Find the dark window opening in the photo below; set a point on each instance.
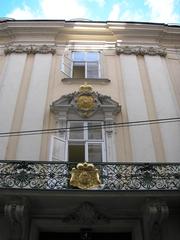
(89, 236)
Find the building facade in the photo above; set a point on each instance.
(105, 95)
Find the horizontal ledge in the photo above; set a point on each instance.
(89, 80)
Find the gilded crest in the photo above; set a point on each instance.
(85, 176)
(85, 100)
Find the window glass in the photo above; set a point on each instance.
(85, 141)
(76, 152)
(94, 130)
(92, 70)
(92, 56)
(79, 71)
(94, 152)
(78, 56)
(85, 64)
(76, 130)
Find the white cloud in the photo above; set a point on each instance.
(66, 9)
(162, 11)
(132, 16)
(101, 3)
(114, 14)
(22, 13)
(60, 9)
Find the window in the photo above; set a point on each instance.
(81, 64)
(84, 142)
(87, 138)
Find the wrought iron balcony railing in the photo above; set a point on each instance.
(114, 176)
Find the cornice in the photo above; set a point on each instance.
(29, 49)
(142, 33)
(141, 50)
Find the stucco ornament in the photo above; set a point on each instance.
(141, 50)
(29, 49)
(85, 176)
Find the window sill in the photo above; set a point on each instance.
(89, 80)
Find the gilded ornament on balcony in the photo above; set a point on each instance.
(85, 176)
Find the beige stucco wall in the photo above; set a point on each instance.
(147, 87)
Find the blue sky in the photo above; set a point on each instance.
(161, 11)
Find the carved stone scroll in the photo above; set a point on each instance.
(154, 214)
(17, 213)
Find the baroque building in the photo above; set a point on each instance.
(89, 130)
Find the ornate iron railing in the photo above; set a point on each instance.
(114, 176)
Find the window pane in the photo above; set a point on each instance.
(94, 152)
(92, 70)
(92, 56)
(76, 130)
(79, 71)
(78, 56)
(94, 130)
(78, 63)
(76, 153)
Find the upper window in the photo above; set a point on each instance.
(82, 64)
(85, 64)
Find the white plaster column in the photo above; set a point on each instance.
(166, 105)
(29, 146)
(141, 137)
(10, 81)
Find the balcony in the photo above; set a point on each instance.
(46, 175)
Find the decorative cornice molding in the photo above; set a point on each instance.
(141, 50)
(29, 49)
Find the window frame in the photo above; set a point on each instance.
(86, 61)
(86, 141)
(67, 65)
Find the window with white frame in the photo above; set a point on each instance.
(84, 141)
(81, 64)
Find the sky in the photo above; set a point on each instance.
(159, 11)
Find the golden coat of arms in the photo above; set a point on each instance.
(85, 176)
(85, 100)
